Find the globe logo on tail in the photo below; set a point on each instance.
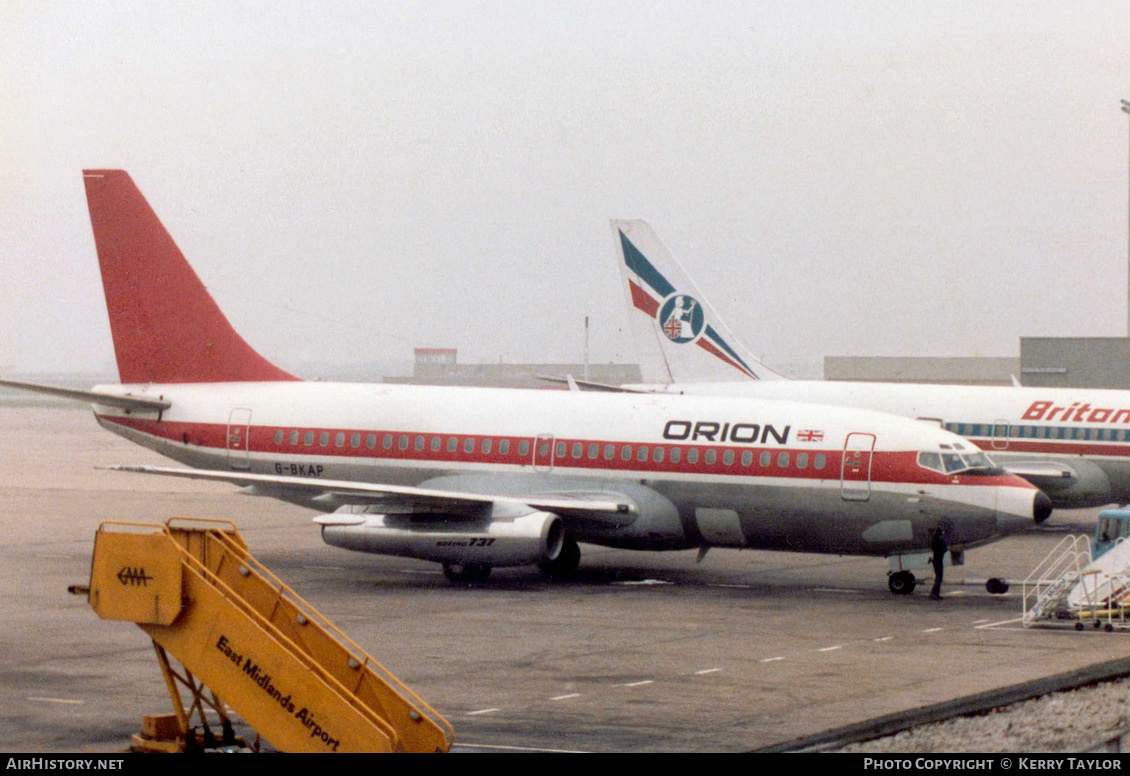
(681, 318)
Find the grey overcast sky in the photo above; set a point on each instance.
(355, 179)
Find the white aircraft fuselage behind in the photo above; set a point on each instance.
(1072, 443)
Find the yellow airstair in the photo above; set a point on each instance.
(252, 643)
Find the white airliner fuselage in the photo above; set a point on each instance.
(475, 478)
(688, 472)
(1072, 443)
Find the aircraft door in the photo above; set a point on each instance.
(239, 438)
(1000, 435)
(543, 453)
(855, 471)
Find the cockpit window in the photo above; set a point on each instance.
(953, 462)
(930, 461)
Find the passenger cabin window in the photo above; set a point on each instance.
(339, 439)
(279, 437)
(324, 438)
(523, 448)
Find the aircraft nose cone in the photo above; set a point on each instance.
(1041, 507)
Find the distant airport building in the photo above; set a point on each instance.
(440, 366)
(1075, 362)
(893, 369)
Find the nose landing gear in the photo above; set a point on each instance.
(901, 582)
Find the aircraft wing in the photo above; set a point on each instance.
(1044, 475)
(611, 509)
(124, 402)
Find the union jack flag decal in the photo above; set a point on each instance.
(808, 435)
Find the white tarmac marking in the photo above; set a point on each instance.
(884, 638)
(498, 748)
(932, 630)
(482, 711)
(639, 684)
(1002, 622)
(707, 671)
(72, 701)
(644, 582)
(771, 659)
(830, 649)
(565, 697)
(835, 590)
(734, 587)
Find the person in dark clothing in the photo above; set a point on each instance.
(938, 547)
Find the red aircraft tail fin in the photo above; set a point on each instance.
(165, 324)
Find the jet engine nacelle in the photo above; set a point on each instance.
(535, 537)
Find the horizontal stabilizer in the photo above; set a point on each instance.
(589, 385)
(125, 402)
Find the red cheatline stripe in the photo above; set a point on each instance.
(892, 466)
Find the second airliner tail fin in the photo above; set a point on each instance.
(166, 326)
(694, 342)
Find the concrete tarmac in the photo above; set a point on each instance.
(641, 652)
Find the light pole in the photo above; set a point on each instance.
(1126, 110)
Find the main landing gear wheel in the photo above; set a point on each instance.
(466, 572)
(566, 561)
(901, 583)
(996, 586)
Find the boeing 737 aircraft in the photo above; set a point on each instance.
(1072, 443)
(474, 478)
